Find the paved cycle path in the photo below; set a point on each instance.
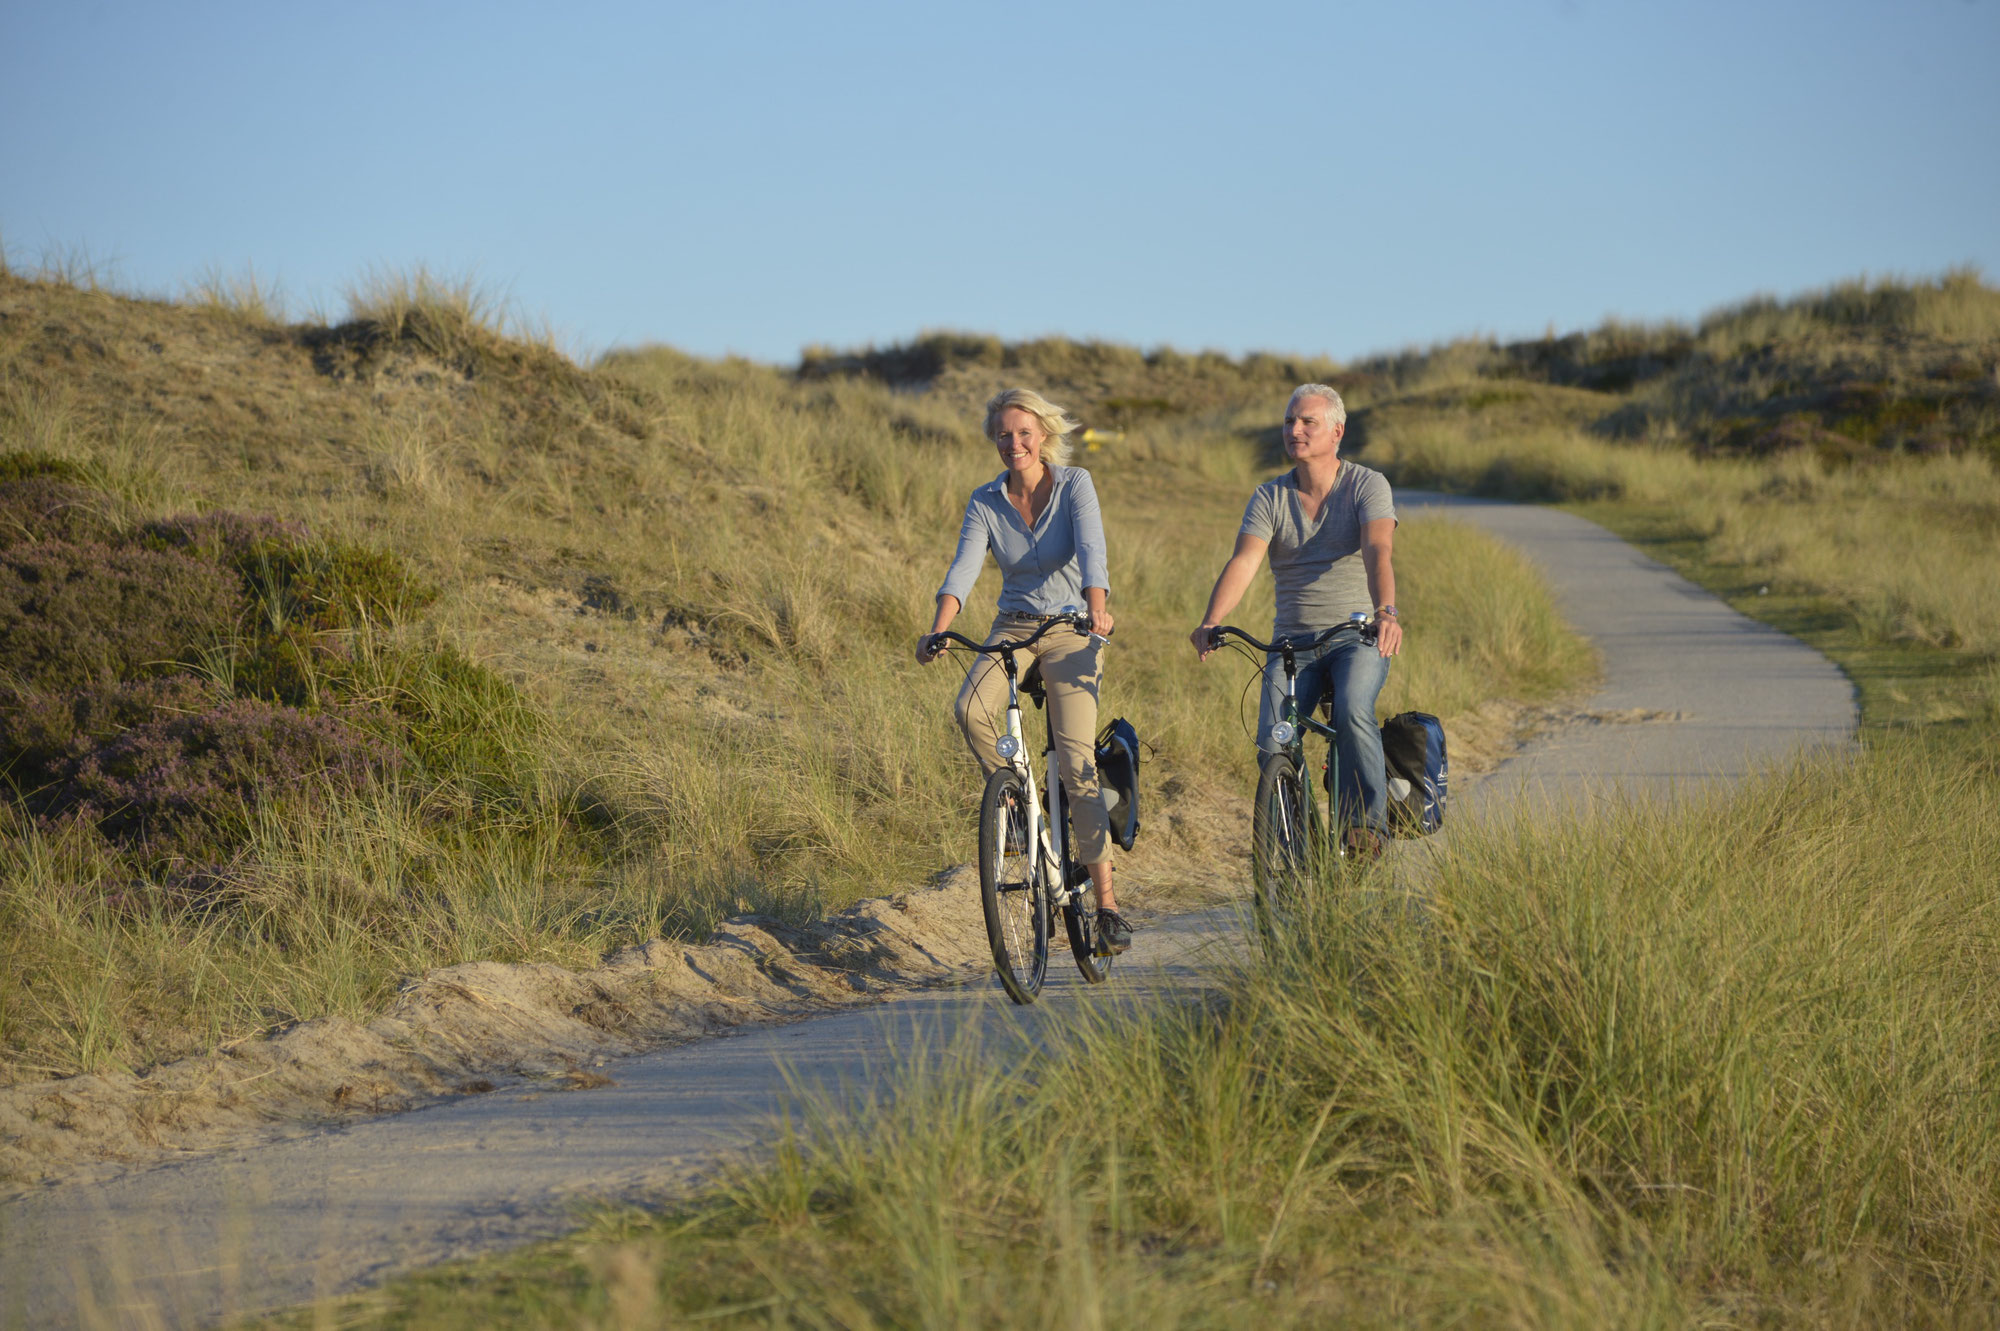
(1743, 695)
(189, 1244)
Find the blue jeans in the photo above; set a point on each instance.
(1352, 673)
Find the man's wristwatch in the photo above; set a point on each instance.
(1388, 610)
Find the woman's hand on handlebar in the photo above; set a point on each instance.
(933, 644)
(1100, 621)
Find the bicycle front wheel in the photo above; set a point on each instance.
(1285, 841)
(1012, 890)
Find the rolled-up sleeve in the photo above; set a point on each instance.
(1087, 525)
(971, 556)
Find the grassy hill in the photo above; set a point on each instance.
(1721, 1064)
(1858, 370)
(1830, 461)
(337, 652)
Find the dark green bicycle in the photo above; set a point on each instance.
(1290, 835)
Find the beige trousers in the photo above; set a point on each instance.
(1070, 675)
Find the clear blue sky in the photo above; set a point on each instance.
(755, 177)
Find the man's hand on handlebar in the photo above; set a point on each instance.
(1205, 640)
(1388, 636)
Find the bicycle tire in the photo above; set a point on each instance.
(1286, 841)
(1081, 926)
(1013, 894)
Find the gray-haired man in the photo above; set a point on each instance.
(1329, 526)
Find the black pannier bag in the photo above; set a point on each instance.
(1413, 751)
(1118, 778)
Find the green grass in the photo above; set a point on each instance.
(1902, 679)
(1871, 532)
(1721, 1064)
(1888, 567)
(665, 675)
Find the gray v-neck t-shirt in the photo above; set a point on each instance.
(1317, 565)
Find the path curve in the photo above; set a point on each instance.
(1746, 696)
(186, 1244)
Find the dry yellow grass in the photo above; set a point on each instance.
(700, 578)
(1725, 1064)
(1906, 545)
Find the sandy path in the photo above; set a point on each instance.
(186, 1244)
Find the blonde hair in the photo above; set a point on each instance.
(1055, 422)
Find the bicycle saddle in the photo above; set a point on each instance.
(1031, 683)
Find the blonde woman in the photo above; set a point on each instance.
(1039, 520)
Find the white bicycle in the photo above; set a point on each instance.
(1028, 869)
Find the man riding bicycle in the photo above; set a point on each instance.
(1329, 527)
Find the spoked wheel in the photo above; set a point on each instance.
(1012, 889)
(1079, 911)
(1286, 842)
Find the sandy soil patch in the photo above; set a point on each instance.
(466, 1029)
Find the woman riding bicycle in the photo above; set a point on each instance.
(1039, 519)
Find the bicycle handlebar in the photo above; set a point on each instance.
(1221, 631)
(1081, 623)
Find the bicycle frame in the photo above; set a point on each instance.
(1045, 800)
(1045, 811)
(1290, 729)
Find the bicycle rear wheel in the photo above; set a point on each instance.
(1079, 919)
(1286, 842)
(1012, 890)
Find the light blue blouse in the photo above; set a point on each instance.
(1044, 570)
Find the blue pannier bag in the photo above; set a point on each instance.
(1118, 779)
(1413, 752)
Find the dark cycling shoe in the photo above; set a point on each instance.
(1112, 932)
(1364, 844)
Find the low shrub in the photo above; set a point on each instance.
(44, 508)
(461, 718)
(223, 537)
(42, 733)
(302, 590)
(182, 786)
(76, 614)
(21, 464)
(337, 585)
(294, 577)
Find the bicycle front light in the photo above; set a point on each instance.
(1007, 746)
(1284, 732)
